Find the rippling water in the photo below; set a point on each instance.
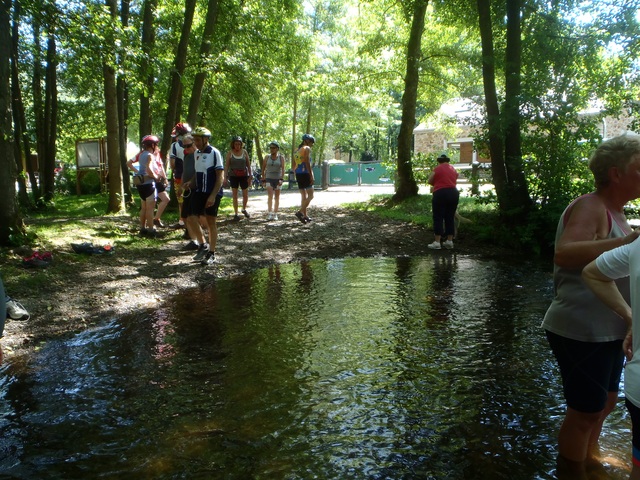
(428, 367)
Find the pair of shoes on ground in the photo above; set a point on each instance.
(448, 244)
(204, 255)
(272, 216)
(158, 223)
(302, 217)
(15, 310)
(148, 232)
(37, 259)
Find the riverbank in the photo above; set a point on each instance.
(78, 291)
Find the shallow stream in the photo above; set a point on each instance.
(430, 368)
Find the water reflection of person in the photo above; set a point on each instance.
(585, 336)
(599, 275)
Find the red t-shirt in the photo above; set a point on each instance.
(444, 176)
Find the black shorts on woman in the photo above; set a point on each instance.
(304, 181)
(146, 190)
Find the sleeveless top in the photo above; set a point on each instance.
(575, 312)
(143, 160)
(237, 163)
(301, 167)
(273, 167)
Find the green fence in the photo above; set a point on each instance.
(357, 173)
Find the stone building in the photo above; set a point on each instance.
(458, 136)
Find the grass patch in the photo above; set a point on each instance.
(418, 210)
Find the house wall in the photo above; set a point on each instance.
(430, 140)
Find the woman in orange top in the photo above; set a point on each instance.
(444, 203)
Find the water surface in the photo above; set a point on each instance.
(431, 367)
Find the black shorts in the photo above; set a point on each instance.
(161, 187)
(634, 413)
(590, 371)
(242, 182)
(187, 197)
(199, 202)
(146, 190)
(273, 183)
(304, 181)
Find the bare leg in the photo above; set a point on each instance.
(164, 201)
(148, 212)
(213, 232)
(277, 201)
(245, 198)
(307, 196)
(194, 227)
(270, 198)
(234, 193)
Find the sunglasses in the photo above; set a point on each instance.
(187, 145)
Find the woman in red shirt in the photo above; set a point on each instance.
(444, 203)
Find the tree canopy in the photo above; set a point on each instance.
(272, 70)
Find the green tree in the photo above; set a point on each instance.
(10, 216)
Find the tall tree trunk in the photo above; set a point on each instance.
(491, 98)
(406, 185)
(519, 201)
(10, 218)
(21, 137)
(294, 140)
(146, 67)
(205, 49)
(175, 89)
(47, 171)
(38, 109)
(504, 130)
(116, 197)
(122, 91)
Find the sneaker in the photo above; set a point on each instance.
(274, 217)
(435, 246)
(269, 216)
(209, 258)
(202, 252)
(190, 246)
(143, 232)
(152, 233)
(300, 216)
(15, 311)
(307, 219)
(176, 226)
(236, 218)
(448, 244)
(158, 223)
(245, 213)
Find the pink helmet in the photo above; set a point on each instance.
(180, 129)
(150, 140)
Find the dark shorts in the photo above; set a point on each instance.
(160, 187)
(187, 197)
(304, 181)
(589, 370)
(274, 183)
(199, 201)
(146, 190)
(634, 413)
(242, 182)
